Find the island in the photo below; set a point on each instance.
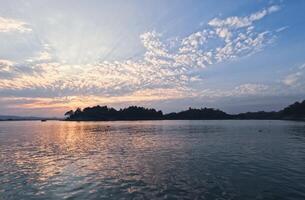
(294, 111)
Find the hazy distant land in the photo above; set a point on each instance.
(25, 118)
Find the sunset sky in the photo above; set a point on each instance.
(235, 55)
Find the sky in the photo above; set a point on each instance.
(235, 55)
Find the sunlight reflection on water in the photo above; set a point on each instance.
(152, 160)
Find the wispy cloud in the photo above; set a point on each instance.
(251, 89)
(13, 25)
(241, 22)
(297, 78)
(281, 29)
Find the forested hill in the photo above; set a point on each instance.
(101, 113)
(203, 113)
(295, 111)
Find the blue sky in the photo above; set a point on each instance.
(236, 55)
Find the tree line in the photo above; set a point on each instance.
(295, 111)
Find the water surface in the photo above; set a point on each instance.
(152, 160)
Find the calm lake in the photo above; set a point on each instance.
(152, 160)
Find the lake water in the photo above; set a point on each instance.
(152, 160)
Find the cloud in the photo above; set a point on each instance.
(296, 79)
(251, 89)
(243, 90)
(281, 29)
(241, 22)
(167, 70)
(57, 105)
(6, 65)
(12, 25)
(42, 56)
(292, 79)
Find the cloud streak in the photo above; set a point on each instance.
(241, 22)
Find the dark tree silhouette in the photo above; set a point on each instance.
(69, 113)
(203, 113)
(100, 113)
(295, 111)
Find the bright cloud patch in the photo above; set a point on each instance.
(5, 65)
(11, 25)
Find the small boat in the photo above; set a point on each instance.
(43, 120)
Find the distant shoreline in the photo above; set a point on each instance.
(14, 120)
(301, 120)
(64, 120)
(295, 112)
